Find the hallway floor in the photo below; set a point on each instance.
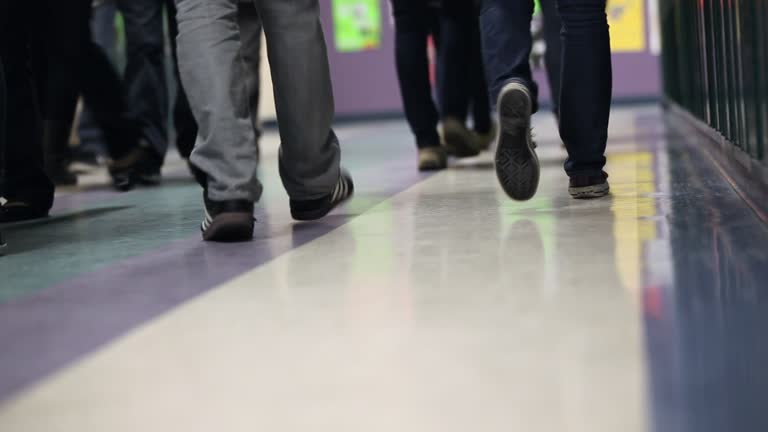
(428, 303)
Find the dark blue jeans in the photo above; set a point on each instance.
(145, 75)
(586, 78)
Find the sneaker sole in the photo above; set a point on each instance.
(307, 216)
(432, 167)
(517, 166)
(230, 227)
(590, 192)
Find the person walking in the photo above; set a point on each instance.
(214, 52)
(147, 85)
(585, 93)
(453, 26)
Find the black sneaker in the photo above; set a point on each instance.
(123, 170)
(318, 208)
(18, 211)
(458, 140)
(147, 169)
(148, 175)
(227, 221)
(517, 166)
(589, 186)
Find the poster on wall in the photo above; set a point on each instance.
(627, 21)
(356, 25)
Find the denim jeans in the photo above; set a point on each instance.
(585, 94)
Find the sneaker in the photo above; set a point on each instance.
(137, 167)
(318, 208)
(227, 221)
(517, 166)
(589, 186)
(432, 158)
(458, 140)
(148, 174)
(19, 211)
(122, 170)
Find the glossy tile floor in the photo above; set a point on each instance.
(429, 303)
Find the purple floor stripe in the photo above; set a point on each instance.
(46, 331)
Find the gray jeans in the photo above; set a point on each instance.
(216, 51)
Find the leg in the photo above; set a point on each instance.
(413, 24)
(145, 70)
(60, 58)
(585, 97)
(183, 120)
(552, 57)
(309, 152)
(481, 105)
(506, 27)
(456, 23)
(506, 30)
(250, 36)
(25, 179)
(105, 36)
(213, 76)
(102, 90)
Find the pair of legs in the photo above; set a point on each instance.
(453, 26)
(585, 92)
(218, 51)
(145, 76)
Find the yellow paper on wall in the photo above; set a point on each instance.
(627, 21)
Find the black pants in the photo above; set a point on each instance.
(145, 75)
(415, 21)
(25, 178)
(552, 62)
(461, 80)
(69, 64)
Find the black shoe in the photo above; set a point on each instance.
(589, 186)
(458, 140)
(18, 211)
(122, 170)
(318, 208)
(227, 221)
(148, 175)
(122, 178)
(517, 166)
(147, 169)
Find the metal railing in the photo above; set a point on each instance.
(715, 65)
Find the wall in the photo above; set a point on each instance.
(365, 83)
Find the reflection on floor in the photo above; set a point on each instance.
(429, 303)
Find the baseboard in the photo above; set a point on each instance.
(747, 175)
